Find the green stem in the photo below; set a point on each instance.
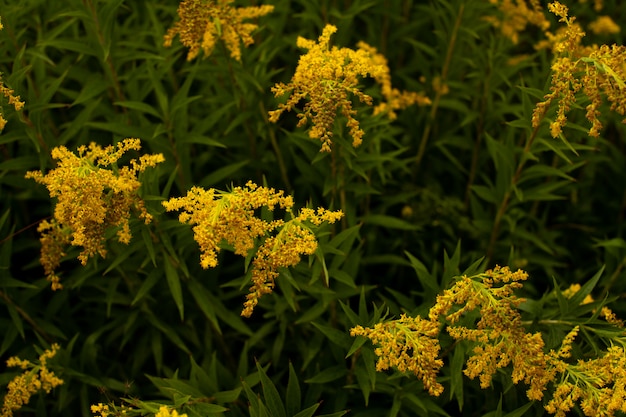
(495, 230)
(444, 76)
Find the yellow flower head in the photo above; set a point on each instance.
(604, 25)
(167, 412)
(23, 386)
(516, 15)
(203, 22)
(9, 94)
(284, 250)
(326, 76)
(596, 71)
(408, 344)
(90, 198)
(227, 216)
(230, 217)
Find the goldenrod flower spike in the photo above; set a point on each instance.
(516, 15)
(595, 70)
(9, 94)
(23, 386)
(227, 216)
(284, 250)
(167, 412)
(408, 344)
(203, 22)
(230, 217)
(90, 198)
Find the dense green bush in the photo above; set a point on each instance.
(460, 169)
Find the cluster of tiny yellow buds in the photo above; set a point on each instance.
(516, 15)
(320, 216)
(100, 410)
(8, 93)
(168, 412)
(596, 71)
(605, 311)
(478, 291)
(227, 216)
(203, 22)
(90, 200)
(408, 344)
(499, 335)
(284, 250)
(604, 25)
(23, 386)
(598, 385)
(326, 76)
(394, 99)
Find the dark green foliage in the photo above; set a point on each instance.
(444, 190)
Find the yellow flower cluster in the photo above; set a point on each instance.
(230, 217)
(598, 385)
(411, 344)
(326, 76)
(167, 412)
(408, 344)
(394, 99)
(90, 200)
(203, 22)
(595, 70)
(103, 410)
(605, 311)
(499, 335)
(23, 386)
(516, 16)
(9, 94)
(604, 25)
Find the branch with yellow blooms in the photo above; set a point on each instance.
(326, 76)
(36, 377)
(500, 340)
(596, 71)
(230, 217)
(92, 195)
(202, 23)
(14, 100)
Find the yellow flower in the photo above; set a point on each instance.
(596, 71)
(284, 250)
(326, 76)
(23, 386)
(8, 93)
(203, 22)
(89, 200)
(604, 25)
(598, 385)
(230, 217)
(394, 98)
(227, 216)
(516, 15)
(166, 412)
(408, 344)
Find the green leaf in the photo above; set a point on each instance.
(218, 176)
(586, 289)
(328, 375)
(293, 393)
(388, 222)
(140, 106)
(334, 335)
(308, 412)
(270, 393)
(173, 281)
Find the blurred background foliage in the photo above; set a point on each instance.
(438, 190)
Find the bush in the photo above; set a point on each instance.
(302, 208)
